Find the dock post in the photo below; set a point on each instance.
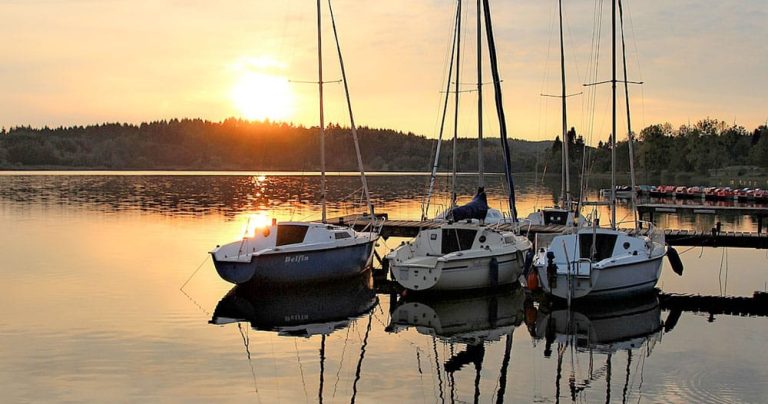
(759, 224)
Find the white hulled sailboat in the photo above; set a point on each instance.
(599, 262)
(464, 252)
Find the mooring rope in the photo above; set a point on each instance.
(193, 273)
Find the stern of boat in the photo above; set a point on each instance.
(235, 271)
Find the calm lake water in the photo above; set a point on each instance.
(91, 307)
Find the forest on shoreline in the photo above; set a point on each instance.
(195, 144)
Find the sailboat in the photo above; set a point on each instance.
(563, 214)
(464, 252)
(601, 262)
(295, 252)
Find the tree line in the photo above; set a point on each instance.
(234, 144)
(692, 148)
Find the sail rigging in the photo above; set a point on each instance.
(500, 109)
(613, 114)
(323, 185)
(351, 117)
(630, 139)
(456, 107)
(480, 157)
(565, 194)
(426, 201)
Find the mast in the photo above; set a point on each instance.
(322, 118)
(503, 372)
(428, 197)
(630, 141)
(613, 119)
(565, 195)
(480, 157)
(456, 100)
(322, 369)
(500, 108)
(351, 117)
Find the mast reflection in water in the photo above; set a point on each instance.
(605, 328)
(473, 319)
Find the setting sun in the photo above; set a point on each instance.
(260, 96)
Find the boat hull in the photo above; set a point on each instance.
(620, 280)
(299, 266)
(461, 274)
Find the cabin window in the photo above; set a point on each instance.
(341, 234)
(604, 244)
(555, 217)
(457, 240)
(290, 234)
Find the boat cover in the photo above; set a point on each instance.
(477, 208)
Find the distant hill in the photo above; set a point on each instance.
(194, 144)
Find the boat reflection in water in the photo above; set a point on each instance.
(630, 326)
(317, 309)
(473, 319)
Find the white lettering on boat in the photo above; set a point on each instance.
(296, 259)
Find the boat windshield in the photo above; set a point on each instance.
(555, 217)
(457, 240)
(290, 234)
(603, 247)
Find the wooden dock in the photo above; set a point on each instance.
(675, 303)
(712, 305)
(650, 209)
(684, 238)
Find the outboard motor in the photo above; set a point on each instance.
(528, 262)
(551, 270)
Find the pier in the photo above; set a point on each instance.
(742, 306)
(684, 238)
(649, 209)
(757, 305)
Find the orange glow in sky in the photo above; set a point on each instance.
(153, 60)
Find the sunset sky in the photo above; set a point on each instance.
(73, 62)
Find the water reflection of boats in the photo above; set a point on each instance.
(305, 311)
(630, 326)
(604, 327)
(475, 320)
(320, 309)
